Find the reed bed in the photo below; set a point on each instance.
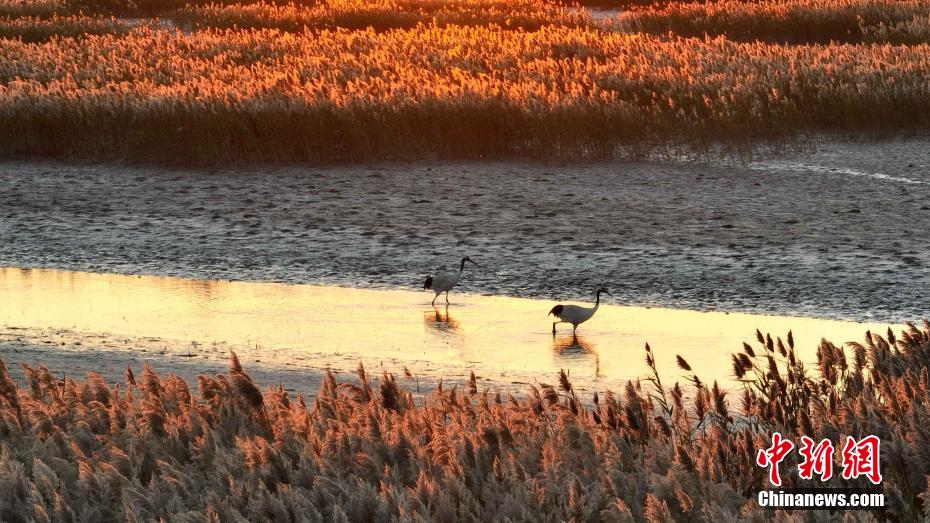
(270, 96)
(38, 20)
(380, 15)
(151, 449)
(798, 21)
(340, 13)
(33, 8)
(907, 32)
(33, 29)
(320, 81)
(119, 8)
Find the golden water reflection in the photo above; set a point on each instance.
(576, 349)
(440, 321)
(504, 340)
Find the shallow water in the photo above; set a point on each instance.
(838, 233)
(507, 342)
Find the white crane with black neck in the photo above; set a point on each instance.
(576, 314)
(443, 283)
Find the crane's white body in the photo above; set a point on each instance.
(443, 283)
(575, 314)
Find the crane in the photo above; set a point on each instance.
(576, 314)
(443, 283)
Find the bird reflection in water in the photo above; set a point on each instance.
(574, 348)
(440, 321)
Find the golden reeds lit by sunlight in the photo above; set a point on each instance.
(379, 15)
(796, 21)
(565, 88)
(151, 448)
(741, 157)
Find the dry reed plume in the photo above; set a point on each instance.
(34, 29)
(33, 8)
(268, 96)
(904, 21)
(150, 449)
(360, 14)
(380, 15)
(320, 81)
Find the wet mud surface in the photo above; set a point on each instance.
(839, 233)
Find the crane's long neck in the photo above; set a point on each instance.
(462, 268)
(597, 301)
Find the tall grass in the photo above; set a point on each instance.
(34, 8)
(269, 96)
(34, 29)
(380, 15)
(119, 8)
(151, 449)
(908, 32)
(800, 21)
(320, 81)
(40, 20)
(355, 13)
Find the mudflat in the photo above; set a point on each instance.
(837, 233)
